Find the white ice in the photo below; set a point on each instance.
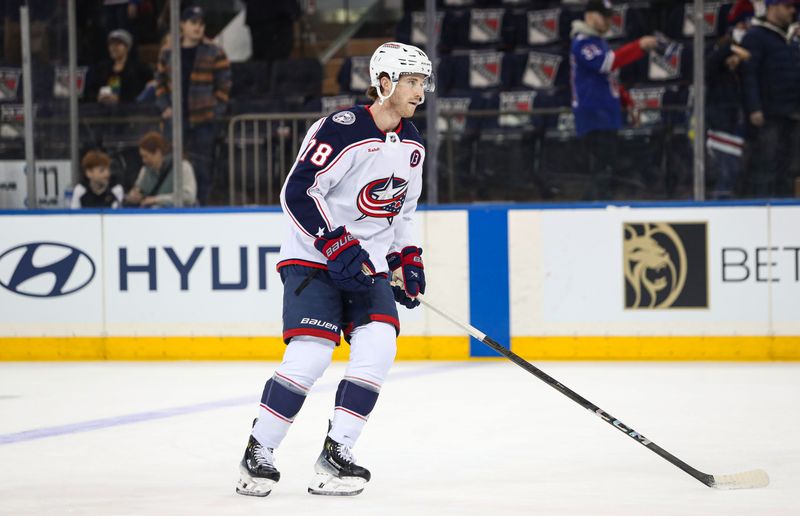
(471, 438)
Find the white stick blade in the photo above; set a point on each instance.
(747, 480)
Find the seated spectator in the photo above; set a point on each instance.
(120, 79)
(154, 185)
(97, 189)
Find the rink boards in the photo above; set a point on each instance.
(670, 281)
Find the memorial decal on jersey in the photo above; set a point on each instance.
(543, 26)
(665, 265)
(382, 198)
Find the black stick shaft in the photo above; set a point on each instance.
(605, 416)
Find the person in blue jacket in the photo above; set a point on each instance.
(771, 89)
(595, 91)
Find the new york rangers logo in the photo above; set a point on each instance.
(543, 26)
(9, 83)
(382, 198)
(541, 70)
(667, 66)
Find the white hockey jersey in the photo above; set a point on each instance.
(350, 173)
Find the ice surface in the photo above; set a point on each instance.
(473, 438)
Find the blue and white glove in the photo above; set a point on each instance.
(407, 270)
(346, 260)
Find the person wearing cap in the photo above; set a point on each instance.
(121, 78)
(724, 113)
(771, 86)
(595, 92)
(206, 85)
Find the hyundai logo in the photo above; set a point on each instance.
(45, 269)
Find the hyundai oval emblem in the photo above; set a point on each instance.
(45, 269)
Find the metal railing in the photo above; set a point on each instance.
(262, 149)
(248, 136)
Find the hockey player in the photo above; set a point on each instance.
(350, 200)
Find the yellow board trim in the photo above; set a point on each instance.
(742, 348)
(729, 348)
(203, 348)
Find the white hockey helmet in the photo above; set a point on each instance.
(396, 60)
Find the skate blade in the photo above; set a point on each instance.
(329, 485)
(252, 486)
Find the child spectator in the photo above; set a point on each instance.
(97, 189)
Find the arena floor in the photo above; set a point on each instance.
(471, 438)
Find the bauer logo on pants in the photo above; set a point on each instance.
(665, 265)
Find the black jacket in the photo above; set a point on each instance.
(723, 90)
(771, 77)
(133, 79)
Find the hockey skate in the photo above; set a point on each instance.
(257, 473)
(336, 472)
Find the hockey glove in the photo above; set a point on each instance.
(346, 260)
(407, 267)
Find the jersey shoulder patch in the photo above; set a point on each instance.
(344, 117)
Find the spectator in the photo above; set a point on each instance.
(724, 114)
(595, 93)
(271, 27)
(154, 186)
(120, 79)
(206, 84)
(771, 81)
(97, 189)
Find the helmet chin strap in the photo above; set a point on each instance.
(381, 97)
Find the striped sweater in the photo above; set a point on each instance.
(210, 82)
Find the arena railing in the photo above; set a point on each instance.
(521, 155)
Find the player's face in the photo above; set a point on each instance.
(408, 94)
(98, 175)
(151, 159)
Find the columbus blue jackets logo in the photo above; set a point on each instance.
(382, 198)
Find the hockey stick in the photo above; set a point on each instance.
(745, 480)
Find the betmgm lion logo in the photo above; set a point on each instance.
(665, 265)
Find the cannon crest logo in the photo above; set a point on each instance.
(665, 265)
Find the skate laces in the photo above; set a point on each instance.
(346, 453)
(264, 456)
